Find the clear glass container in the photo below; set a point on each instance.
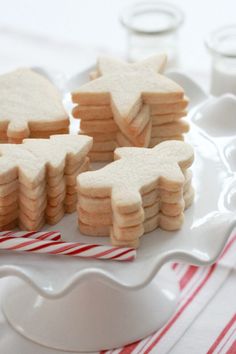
(222, 47)
(152, 27)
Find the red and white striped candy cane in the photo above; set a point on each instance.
(75, 249)
(41, 235)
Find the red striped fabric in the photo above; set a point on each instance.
(232, 349)
(181, 310)
(188, 277)
(183, 281)
(189, 300)
(222, 335)
(189, 274)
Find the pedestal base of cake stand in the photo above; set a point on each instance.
(93, 315)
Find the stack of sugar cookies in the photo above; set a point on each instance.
(38, 179)
(126, 200)
(130, 105)
(98, 122)
(30, 106)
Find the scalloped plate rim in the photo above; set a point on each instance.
(106, 278)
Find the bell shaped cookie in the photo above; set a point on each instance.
(29, 105)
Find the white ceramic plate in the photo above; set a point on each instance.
(208, 224)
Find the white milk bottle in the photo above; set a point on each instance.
(222, 46)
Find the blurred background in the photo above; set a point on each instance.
(67, 35)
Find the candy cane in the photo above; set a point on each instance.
(75, 249)
(41, 235)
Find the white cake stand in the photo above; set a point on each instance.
(83, 305)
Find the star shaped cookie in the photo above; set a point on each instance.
(126, 92)
(108, 65)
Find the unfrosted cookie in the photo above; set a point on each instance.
(100, 137)
(47, 133)
(34, 177)
(92, 112)
(140, 140)
(157, 140)
(107, 65)
(140, 121)
(8, 188)
(122, 140)
(167, 118)
(136, 97)
(109, 145)
(175, 107)
(102, 156)
(29, 102)
(126, 173)
(57, 200)
(95, 212)
(148, 199)
(70, 208)
(126, 92)
(115, 195)
(170, 129)
(99, 126)
(70, 179)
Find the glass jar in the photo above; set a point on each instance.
(152, 28)
(222, 47)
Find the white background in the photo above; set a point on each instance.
(67, 34)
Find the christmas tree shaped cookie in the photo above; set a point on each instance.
(38, 179)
